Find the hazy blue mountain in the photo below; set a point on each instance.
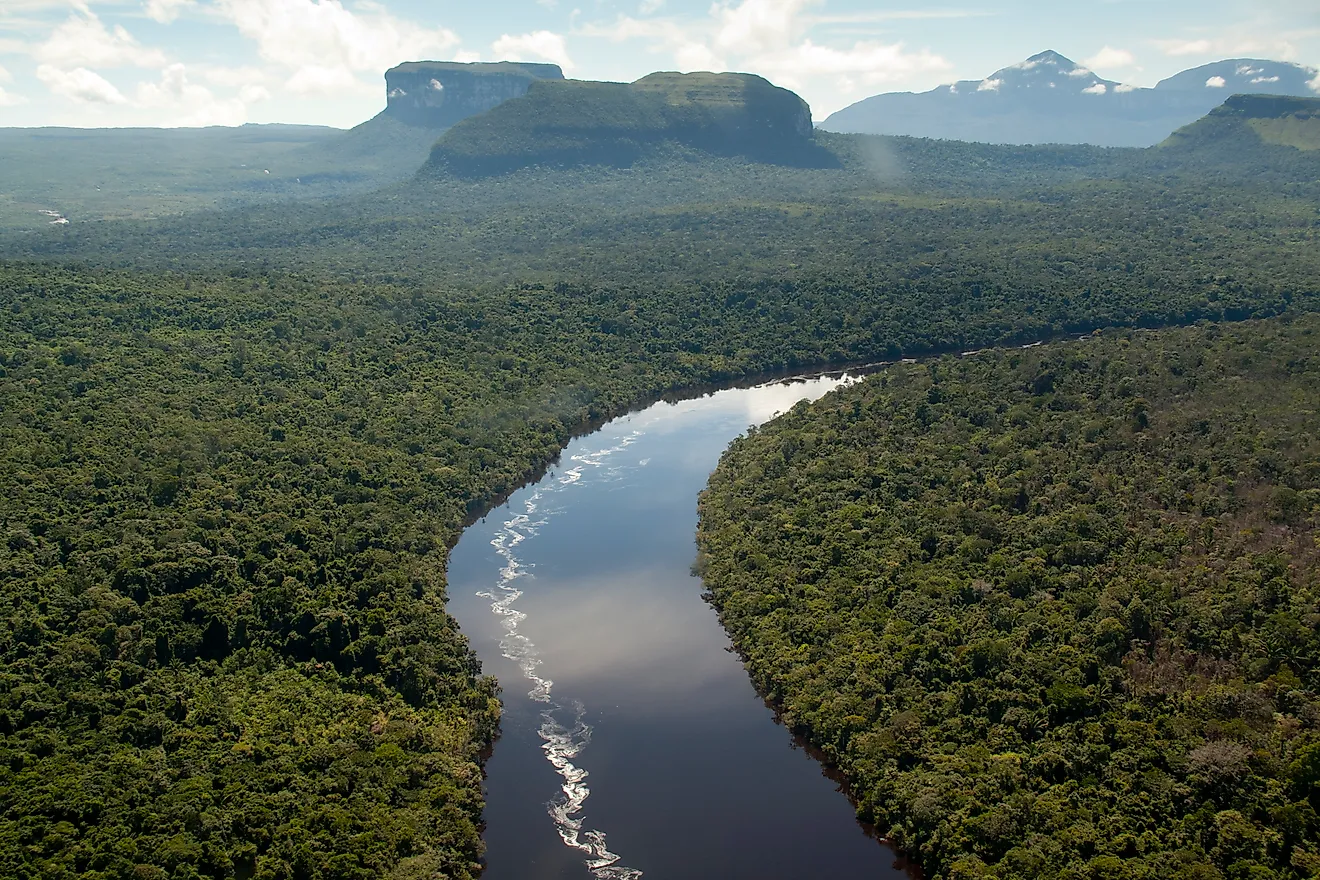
(1246, 76)
(1051, 99)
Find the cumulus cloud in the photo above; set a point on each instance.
(165, 11)
(79, 84)
(989, 85)
(1215, 82)
(324, 79)
(770, 38)
(869, 62)
(1109, 57)
(1315, 83)
(536, 46)
(8, 99)
(755, 26)
(84, 41)
(1185, 47)
(1229, 46)
(233, 77)
(1123, 88)
(313, 37)
(186, 103)
(1097, 89)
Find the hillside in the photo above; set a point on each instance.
(1050, 99)
(575, 123)
(236, 460)
(1052, 612)
(1252, 121)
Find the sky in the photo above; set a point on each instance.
(99, 63)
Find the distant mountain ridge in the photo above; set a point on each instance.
(1048, 98)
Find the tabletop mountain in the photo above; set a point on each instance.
(571, 123)
(423, 99)
(1051, 99)
(1252, 121)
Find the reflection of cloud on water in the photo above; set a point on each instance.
(643, 639)
(561, 743)
(751, 405)
(649, 643)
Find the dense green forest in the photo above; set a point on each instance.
(1053, 611)
(235, 445)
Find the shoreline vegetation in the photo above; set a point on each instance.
(1052, 612)
(232, 466)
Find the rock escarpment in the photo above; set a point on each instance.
(573, 123)
(437, 94)
(1246, 121)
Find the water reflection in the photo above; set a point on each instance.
(624, 708)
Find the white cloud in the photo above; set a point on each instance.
(1097, 89)
(252, 94)
(165, 11)
(870, 62)
(1264, 79)
(322, 79)
(756, 26)
(234, 77)
(1215, 82)
(84, 41)
(1080, 72)
(5, 76)
(989, 85)
(187, 104)
(1185, 47)
(1109, 57)
(769, 37)
(648, 7)
(697, 56)
(311, 37)
(1123, 88)
(1228, 47)
(79, 84)
(536, 46)
(1315, 83)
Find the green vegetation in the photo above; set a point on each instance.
(231, 466)
(1248, 121)
(1054, 612)
(570, 123)
(90, 175)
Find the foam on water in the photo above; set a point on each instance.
(561, 742)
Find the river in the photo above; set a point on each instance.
(633, 743)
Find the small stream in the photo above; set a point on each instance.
(633, 744)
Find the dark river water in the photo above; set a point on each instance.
(633, 742)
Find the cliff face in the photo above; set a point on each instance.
(1245, 123)
(437, 94)
(572, 123)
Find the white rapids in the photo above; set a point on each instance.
(562, 741)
